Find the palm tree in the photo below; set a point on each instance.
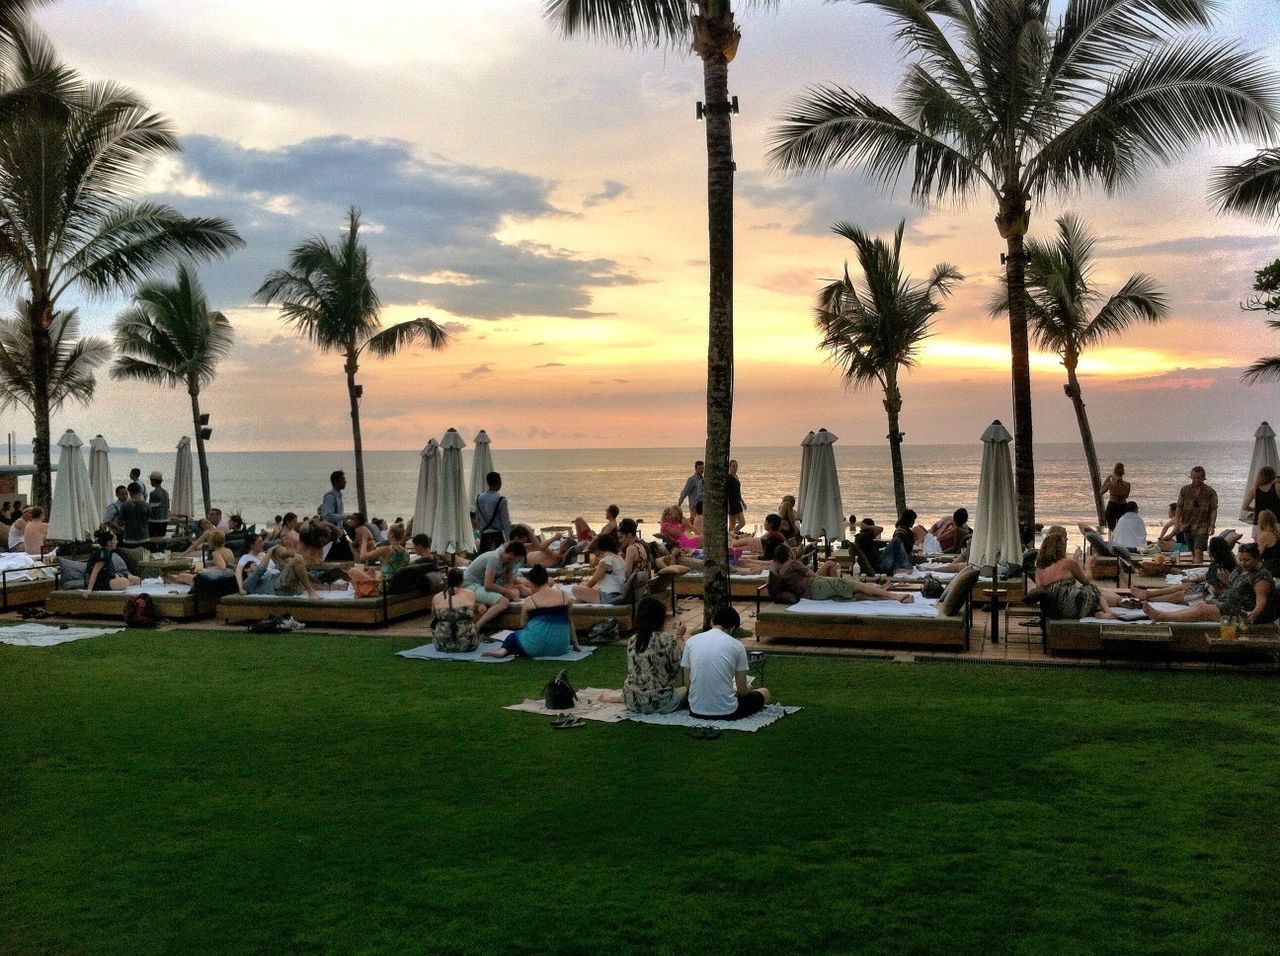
(707, 25)
(72, 361)
(1060, 296)
(327, 294)
(1000, 101)
(170, 337)
(873, 331)
(70, 155)
(1253, 188)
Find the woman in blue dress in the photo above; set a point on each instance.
(547, 622)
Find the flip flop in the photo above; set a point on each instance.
(704, 733)
(567, 722)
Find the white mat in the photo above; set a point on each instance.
(156, 587)
(590, 707)
(428, 652)
(45, 635)
(917, 574)
(17, 561)
(755, 577)
(1134, 615)
(347, 594)
(920, 607)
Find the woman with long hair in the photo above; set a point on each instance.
(1072, 595)
(653, 663)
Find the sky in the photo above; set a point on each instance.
(544, 200)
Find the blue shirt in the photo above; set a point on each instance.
(491, 514)
(331, 508)
(692, 491)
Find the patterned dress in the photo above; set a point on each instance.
(1239, 596)
(651, 676)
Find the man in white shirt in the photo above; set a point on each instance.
(1130, 530)
(715, 671)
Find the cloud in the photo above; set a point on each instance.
(612, 190)
(550, 365)
(480, 370)
(815, 203)
(430, 224)
(1192, 245)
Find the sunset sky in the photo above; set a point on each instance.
(545, 199)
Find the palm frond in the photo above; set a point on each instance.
(73, 361)
(1103, 34)
(626, 22)
(1264, 370)
(391, 340)
(1252, 188)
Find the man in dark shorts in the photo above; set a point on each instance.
(715, 671)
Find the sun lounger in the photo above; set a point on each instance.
(880, 623)
(742, 584)
(173, 601)
(1190, 639)
(23, 586)
(333, 607)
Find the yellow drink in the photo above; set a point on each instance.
(1228, 630)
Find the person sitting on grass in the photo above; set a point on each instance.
(1221, 565)
(653, 664)
(100, 574)
(546, 622)
(608, 580)
(825, 585)
(1247, 594)
(715, 672)
(1071, 593)
(453, 625)
(492, 579)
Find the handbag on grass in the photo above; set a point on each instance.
(559, 693)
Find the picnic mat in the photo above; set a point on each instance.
(590, 707)
(428, 652)
(46, 635)
(920, 607)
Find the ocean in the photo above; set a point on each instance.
(553, 486)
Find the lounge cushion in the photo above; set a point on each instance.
(132, 557)
(73, 574)
(958, 590)
(418, 578)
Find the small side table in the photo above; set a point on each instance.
(996, 602)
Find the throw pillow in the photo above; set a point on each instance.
(958, 590)
(73, 574)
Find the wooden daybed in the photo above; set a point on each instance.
(370, 611)
(179, 606)
(778, 621)
(584, 615)
(24, 587)
(1191, 640)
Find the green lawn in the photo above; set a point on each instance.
(191, 792)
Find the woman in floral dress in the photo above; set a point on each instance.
(653, 662)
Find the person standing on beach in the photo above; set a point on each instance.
(1197, 513)
(492, 519)
(1117, 491)
(331, 507)
(158, 503)
(735, 507)
(692, 487)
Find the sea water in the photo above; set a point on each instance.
(553, 486)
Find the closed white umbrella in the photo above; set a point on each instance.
(823, 514)
(453, 519)
(180, 503)
(806, 466)
(995, 526)
(75, 517)
(481, 465)
(424, 507)
(1264, 455)
(100, 473)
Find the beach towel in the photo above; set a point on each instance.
(921, 607)
(1133, 615)
(17, 561)
(428, 652)
(345, 594)
(46, 635)
(157, 588)
(591, 707)
(919, 573)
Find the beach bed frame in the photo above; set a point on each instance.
(110, 604)
(777, 621)
(17, 589)
(363, 612)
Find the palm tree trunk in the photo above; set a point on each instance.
(714, 37)
(194, 392)
(1013, 223)
(41, 360)
(1072, 388)
(893, 407)
(353, 393)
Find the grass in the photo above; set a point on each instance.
(205, 792)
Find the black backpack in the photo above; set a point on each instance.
(140, 611)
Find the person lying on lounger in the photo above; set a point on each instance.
(291, 581)
(824, 585)
(1247, 594)
(1221, 565)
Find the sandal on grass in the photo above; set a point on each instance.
(704, 733)
(567, 722)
